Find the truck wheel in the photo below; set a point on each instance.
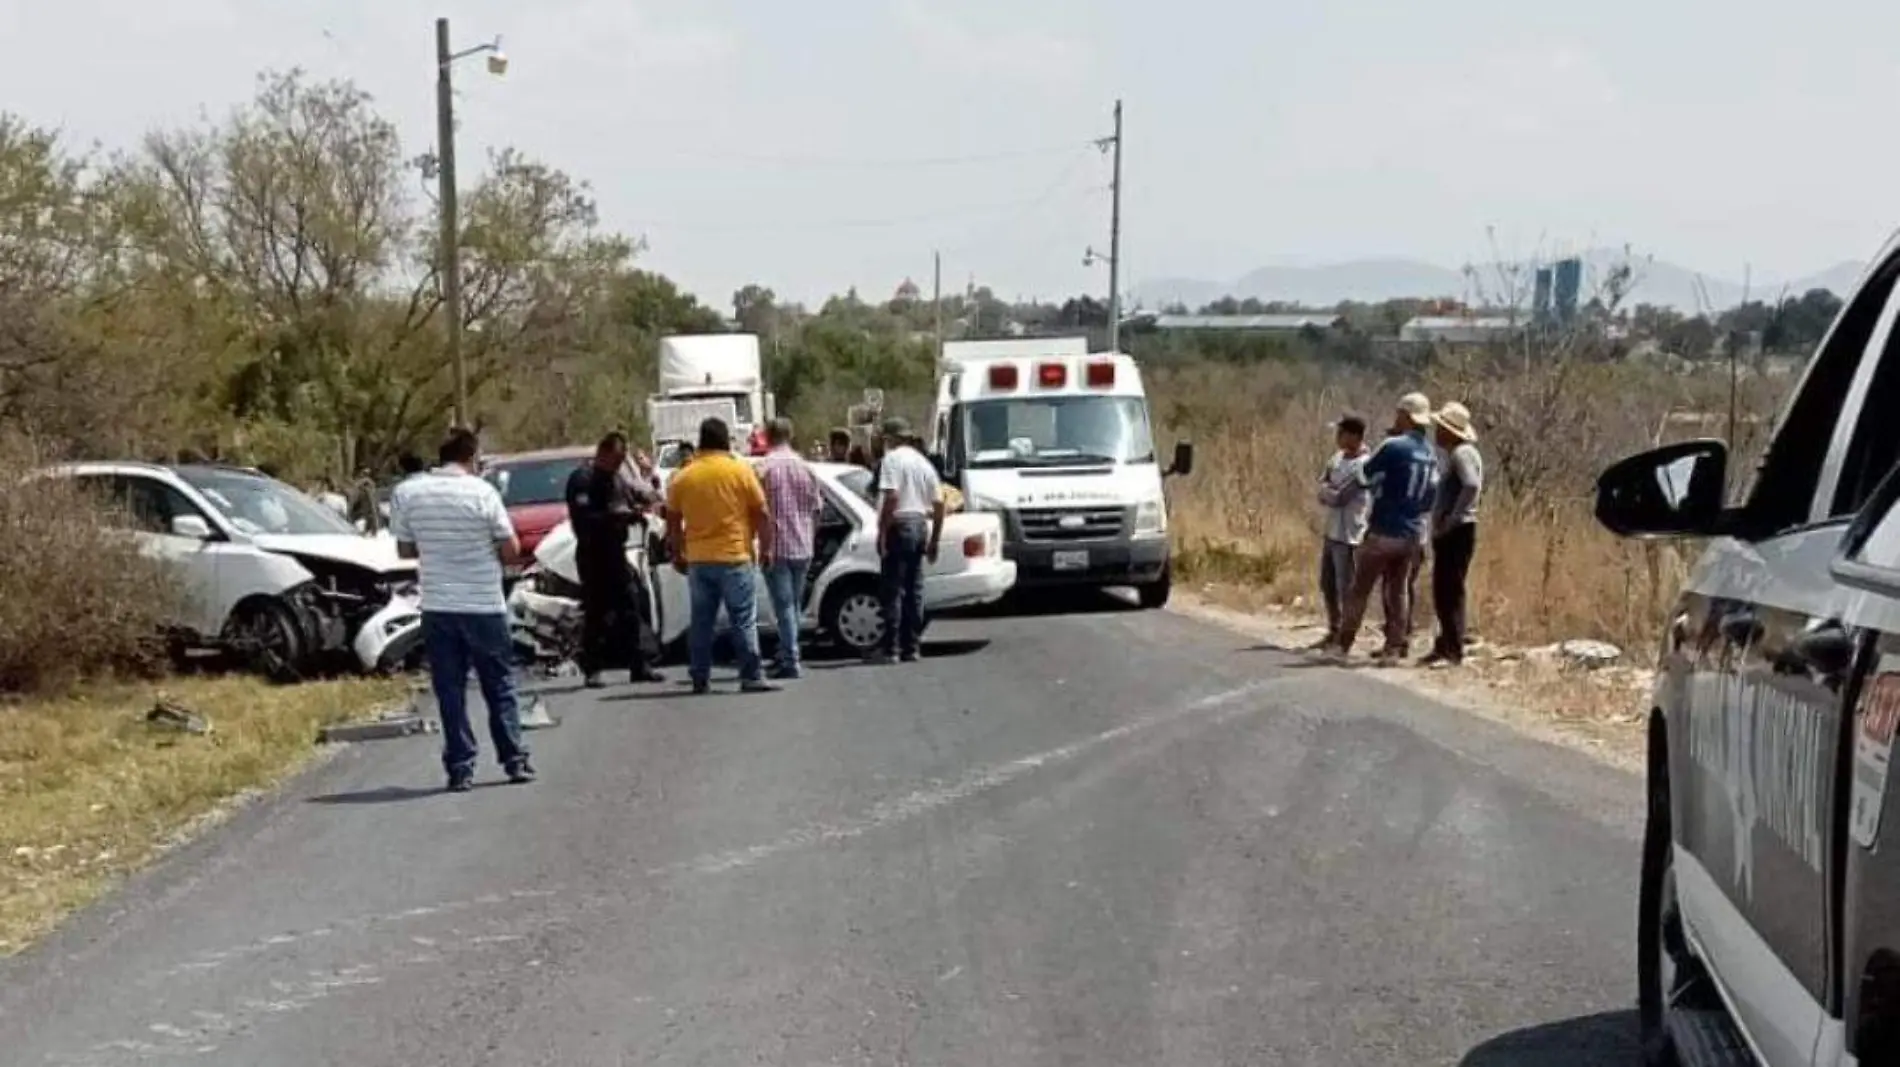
(1155, 594)
(854, 617)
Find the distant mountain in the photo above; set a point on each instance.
(1373, 280)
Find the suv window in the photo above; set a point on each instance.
(1784, 486)
(148, 504)
(1875, 446)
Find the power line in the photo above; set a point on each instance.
(897, 163)
(1060, 185)
(782, 225)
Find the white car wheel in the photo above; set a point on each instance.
(857, 619)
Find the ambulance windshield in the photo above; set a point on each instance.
(1057, 431)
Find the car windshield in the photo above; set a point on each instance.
(537, 481)
(257, 504)
(1052, 431)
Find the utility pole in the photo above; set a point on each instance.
(936, 298)
(451, 251)
(1115, 242)
(450, 264)
(1114, 257)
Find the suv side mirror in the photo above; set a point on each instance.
(1673, 491)
(192, 526)
(1183, 459)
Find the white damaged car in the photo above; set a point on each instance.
(841, 597)
(268, 573)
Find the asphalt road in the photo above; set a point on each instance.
(1111, 837)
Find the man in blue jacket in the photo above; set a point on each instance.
(1402, 479)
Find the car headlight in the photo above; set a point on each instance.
(1151, 518)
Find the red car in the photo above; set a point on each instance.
(534, 487)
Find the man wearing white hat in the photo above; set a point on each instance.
(1402, 477)
(1454, 530)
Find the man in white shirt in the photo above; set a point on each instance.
(453, 523)
(909, 525)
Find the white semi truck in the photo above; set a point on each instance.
(707, 374)
(1058, 442)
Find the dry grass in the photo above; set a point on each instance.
(76, 599)
(89, 791)
(1544, 569)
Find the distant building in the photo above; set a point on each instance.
(1540, 297)
(1567, 285)
(1459, 330)
(1283, 323)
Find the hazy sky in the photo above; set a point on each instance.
(793, 143)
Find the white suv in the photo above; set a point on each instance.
(268, 572)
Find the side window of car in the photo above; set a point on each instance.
(111, 491)
(1874, 446)
(831, 514)
(154, 504)
(1783, 494)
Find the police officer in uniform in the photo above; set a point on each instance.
(602, 504)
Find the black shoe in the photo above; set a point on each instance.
(878, 658)
(908, 657)
(522, 772)
(780, 672)
(701, 688)
(594, 681)
(757, 685)
(461, 783)
(645, 674)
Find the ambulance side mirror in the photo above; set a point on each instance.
(1183, 459)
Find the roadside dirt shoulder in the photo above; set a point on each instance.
(1595, 711)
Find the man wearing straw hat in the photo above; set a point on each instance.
(1402, 478)
(1454, 530)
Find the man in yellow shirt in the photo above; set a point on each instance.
(715, 509)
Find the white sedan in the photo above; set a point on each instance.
(841, 599)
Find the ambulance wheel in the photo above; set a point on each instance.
(1155, 594)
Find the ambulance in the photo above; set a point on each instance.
(1058, 443)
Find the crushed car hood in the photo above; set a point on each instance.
(371, 553)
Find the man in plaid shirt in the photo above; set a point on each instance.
(792, 497)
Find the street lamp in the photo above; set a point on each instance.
(451, 265)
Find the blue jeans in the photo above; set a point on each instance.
(710, 585)
(785, 580)
(455, 642)
(903, 599)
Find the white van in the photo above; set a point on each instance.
(1058, 442)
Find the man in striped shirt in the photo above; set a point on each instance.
(453, 523)
(793, 499)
